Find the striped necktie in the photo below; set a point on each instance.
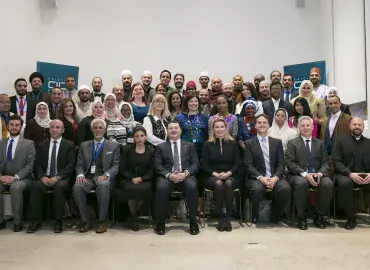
(266, 157)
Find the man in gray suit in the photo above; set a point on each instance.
(307, 161)
(16, 167)
(97, 166)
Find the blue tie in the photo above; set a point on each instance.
(308, 150)
(287, 94)
(9, 154)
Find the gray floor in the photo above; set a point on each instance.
(243, 248)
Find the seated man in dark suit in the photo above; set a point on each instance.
(307, 161)
(175, 164)
(276, 102)
(264, 159)
(54, 166)
(16, 166)
(351, 160)
(96, 167)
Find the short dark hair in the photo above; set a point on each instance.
(275, 71)
(179, 74)
(262, 115)
(139, 128)
(15, 117)
(288, 74)
(335, 96)
(170, 107)
(19, 80)
(70, 76)
(186, 101)
(173, 122)
(165, 70)
(276, 83)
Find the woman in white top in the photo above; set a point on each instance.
(155, 123)
(280, 129)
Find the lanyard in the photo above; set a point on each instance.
(21, 108)
(96, 151)
(34, 95)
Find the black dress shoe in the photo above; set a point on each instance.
(34, 227)
(134, 225)
(194, 228)
(228, 227)
(302, 224)
(2, 225)
(320, 222)
(85, 227)
(18, 228)
(58, 226)
(221, 225)
(350, 224)
(160, 228)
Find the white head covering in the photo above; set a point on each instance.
(332, 89)
(204, 74)
(146, 72)
(250, 101)
(83, 86)
(112, 114)
(285, 133)
(130, 121)
(43, 122)
(126, 72)
(103, 115)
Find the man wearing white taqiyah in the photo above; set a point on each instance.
(83, 105)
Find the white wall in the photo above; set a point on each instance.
(226, 38)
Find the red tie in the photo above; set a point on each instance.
(21, 106)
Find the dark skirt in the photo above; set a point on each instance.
(210, 181)
(137, 192)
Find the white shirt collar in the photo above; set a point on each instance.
(95, 142)
(24, 97)
(260, 138)
(16, 139)
(52, 140)
(337, 114)
(304, 139)
(178, 141)
(275, 100)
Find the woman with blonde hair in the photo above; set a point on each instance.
(155, 123)
(220, 163)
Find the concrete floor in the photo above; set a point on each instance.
(243, 248)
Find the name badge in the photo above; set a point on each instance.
(130, 140)
(93, 169)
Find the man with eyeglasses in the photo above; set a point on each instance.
(4, 114)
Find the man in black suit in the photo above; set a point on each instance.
(351, 160)
(56, 97)
(264, 159)
(176, 164)
(276, 102)
(54, 166)
(37, 80)
(97, 84)
(289, 92)
(21, 103)
(307, 161)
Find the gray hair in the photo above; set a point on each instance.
(265, 82)
(98, 120)
(305, 117)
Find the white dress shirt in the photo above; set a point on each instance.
(276, 103)
(147, 124)
(321, 91)
(178, 142)
(15, 143)
(51, 145)
(333, 122)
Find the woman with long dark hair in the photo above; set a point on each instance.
(174, 100)
(301, 108)
(67, 114)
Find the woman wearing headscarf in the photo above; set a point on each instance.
(84, 132)
(110, 108)
(280, 129)
(121, 131)
(316, 104)
(37, 129)
(247, 122)
(333, 91)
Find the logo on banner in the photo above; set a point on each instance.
(301, 72)
(55, 74)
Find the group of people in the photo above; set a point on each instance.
(147, 142)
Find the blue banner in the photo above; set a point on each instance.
(55, 74)
(301, 72)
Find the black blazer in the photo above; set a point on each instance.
(294, 93)
(68, 133)
(343, 155)
(31, 106)
(214, 161)
(45, 97)
(269, 109)
(127, 163)
(66, 160)
(163, 161)
(255, 163)
(296, 157)
(51, 111)
(84, 132)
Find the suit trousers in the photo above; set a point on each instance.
(16, 192)
(37, 190)
(165, 187)
(345, 194)
(103, 190)
(324, 194)
(281, 196)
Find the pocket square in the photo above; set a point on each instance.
(108, 153)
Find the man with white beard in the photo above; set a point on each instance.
(83, 106)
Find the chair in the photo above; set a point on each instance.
(2, 202)
(202, 224)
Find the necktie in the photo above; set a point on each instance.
(9, 153)
(21, 106)
(56, 110)
(97, 146)
(176, 159)
(69, 95)
(53, 168)
(309, 157)
(266, 157)
(287, 94)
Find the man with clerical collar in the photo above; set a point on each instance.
(83, 106)
(146, 81)
(126, 78)
(351, 161)
(70, 87)
(22, 103)
(179, 81)
(97, 84)
(319, 90)
(4, 114)
(289, 92)
(56, 97)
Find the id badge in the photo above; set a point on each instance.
(130, 140)
(93, 169)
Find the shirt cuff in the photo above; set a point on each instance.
(304, 174)
(259, 177)
(78, 176)
(108, 175)
(16, 178)
(186, 171)
(168, 176)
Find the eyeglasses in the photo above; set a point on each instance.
(98, 128)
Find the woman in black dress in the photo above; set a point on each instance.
(220, 162)
(136, 169)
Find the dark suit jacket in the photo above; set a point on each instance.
(31, 107)
(163, 161)
(51, 111)
(66, 160)
(343, 155)
(69, 133)
(92, 98)
(296, 157)
(255, 163)
(269, 109)
(130, 169)
(294, 93)
(45, 97)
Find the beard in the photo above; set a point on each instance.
(356, 132)
(14, 133)
(179, 85)
(21, 94)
